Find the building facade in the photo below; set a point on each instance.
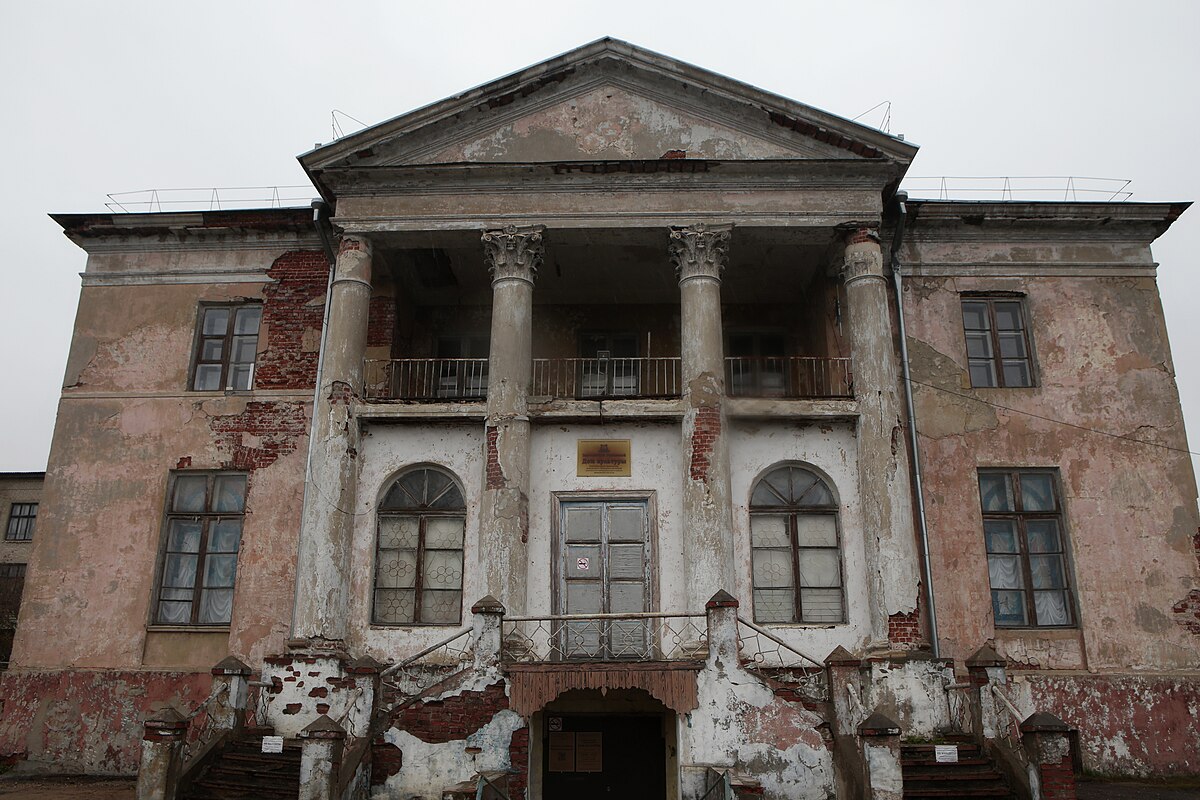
(20, 497)
(616, 427)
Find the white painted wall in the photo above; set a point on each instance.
(656, 465)
(757, 446)
(385, 451)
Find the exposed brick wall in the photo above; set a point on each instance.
(386, 760)
(904, 631)
(518, 757)
(1187, 612)
(495, 475)
(704, 437)
(457, 717)
(381, 321)
(862, 235)
(1058, 780)
(260, 435)
(293, 305)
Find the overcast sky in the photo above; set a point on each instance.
(120, 96)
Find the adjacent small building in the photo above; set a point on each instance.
(615, 428)
(20, 496)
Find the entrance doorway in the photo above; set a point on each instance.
(603, 757)
(604, 567)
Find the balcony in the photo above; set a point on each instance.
(789, 377)
(605, 378)
(466, 379)
(427, 379)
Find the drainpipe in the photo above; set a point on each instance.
(922, 524)
(321, 223)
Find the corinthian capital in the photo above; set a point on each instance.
(514, 252)
(700, 251)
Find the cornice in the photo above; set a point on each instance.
(187, 241)
(208, 277)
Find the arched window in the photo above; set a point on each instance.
(419, 550)
(795, 553)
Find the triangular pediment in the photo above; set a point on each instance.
(609, 101)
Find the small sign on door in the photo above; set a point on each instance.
(583, 564)
(272, 744)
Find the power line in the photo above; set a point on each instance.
(1121, 436)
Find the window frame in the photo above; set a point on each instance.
(17, 520)
(226, 363)
(202, 552)
(1020, 518)
(792, 512)
(989, 300)
(423, 515)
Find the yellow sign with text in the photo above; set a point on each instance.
(603, 458)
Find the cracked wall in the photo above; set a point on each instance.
(1103, 364)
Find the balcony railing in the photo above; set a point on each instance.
(426, 379)
(604, 637)
(792, 377)
(603, 378)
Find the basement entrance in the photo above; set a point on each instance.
(609, 744)
(603, 757)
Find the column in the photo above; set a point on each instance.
(699, 254)
(893, 580)
(323, 564)
(162, 745)
(513, 255)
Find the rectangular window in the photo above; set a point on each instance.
(203, 531)
(225, 348)
(21, 519)
(998, 352)
(1026, 549)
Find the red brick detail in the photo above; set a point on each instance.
(292, 708)
(823, 135)
(495, 475)
(904, 631)
(381, 321)
(454, 718)
(518, 757)
(1058, 780)
(705, 433)
(386, 760)
(320, 691)
(349, 243)
(183, 463)
(862, 235)
(322, 708)
(260, 435)
(1188, 611)
(341, 393)
(674, 154)
(292, 305)
(1196, 545)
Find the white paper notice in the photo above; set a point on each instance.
(945, 753)
(272, 744)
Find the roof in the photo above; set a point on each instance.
(156, 223)
(485, 115)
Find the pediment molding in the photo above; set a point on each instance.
(797, 129)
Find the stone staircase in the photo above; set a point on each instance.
(973, 775)
(241, 771)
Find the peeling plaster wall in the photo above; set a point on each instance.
(125, 421)
(740, 723)
(1130, 509)
(88, 721)
(608, 122)
(755, 447)
(385, 451)
(1128, 724)
(656, 465)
